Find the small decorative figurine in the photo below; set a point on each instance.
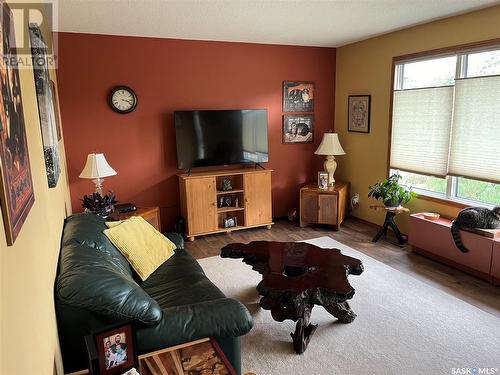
(227, 184)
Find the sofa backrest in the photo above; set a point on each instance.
(95, 276)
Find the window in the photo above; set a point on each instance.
(445, 138)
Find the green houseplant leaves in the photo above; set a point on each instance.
(391, 192)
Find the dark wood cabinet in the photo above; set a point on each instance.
(318, 206)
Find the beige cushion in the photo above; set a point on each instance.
(145, 248)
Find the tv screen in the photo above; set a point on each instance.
(220, 137)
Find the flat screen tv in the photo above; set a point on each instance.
(220, 137)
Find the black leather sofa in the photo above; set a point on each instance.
(95, 287)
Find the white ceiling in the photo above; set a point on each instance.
(326, 23)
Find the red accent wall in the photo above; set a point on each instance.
(168, 75)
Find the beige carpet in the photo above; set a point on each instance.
(404, 326)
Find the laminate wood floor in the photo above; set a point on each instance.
(358, 235)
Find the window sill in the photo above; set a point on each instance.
(444, 201)
(452, 202)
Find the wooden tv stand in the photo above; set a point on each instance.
(200, 193)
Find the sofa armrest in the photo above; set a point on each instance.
(176, 238)
(224, 317)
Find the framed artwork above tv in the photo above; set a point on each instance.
(298, 96)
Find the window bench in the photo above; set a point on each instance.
(434, 239)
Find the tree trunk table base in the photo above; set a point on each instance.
(391, 212)
(294, 279)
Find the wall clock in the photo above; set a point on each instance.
(122, 99)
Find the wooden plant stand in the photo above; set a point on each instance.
(391, 212)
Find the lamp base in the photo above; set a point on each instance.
(330, 166)
(98, 185)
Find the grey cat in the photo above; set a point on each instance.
(474, 217)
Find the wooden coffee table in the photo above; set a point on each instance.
(197, 357)
(295, 277)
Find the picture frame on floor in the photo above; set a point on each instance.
(112, 350)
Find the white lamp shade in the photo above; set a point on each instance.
(97, 167)
(330, 145)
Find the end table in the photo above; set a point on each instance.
(324, 206)
(150, 214)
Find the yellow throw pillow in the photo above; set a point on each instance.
(145, 248)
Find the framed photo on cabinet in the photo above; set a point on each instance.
(359, 113)
(323, 180)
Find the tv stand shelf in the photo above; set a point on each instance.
(230, 209)
(200, 192)
(226, 192)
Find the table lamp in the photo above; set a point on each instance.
(330, 146)
(96, 169)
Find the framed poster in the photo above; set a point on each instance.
(16, 184)
(45, 105)
(298, 96)
(359, 113)
(298, 128)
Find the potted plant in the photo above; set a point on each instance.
(99, 205)
(391, 192)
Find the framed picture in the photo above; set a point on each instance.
(227, 184)
(45, 105)
(16, 184)
(359, 113)
(323, 180)
(230, 222)
(225, 201)
(112, 350)
(298, 96)
(298, 128)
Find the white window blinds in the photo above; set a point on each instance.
(421, 125)
(475, 140)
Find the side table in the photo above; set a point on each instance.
(197, 357)
(150, 214)
(391, 212)
(324, 206)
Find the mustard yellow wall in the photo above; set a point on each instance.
(365, 68)
(28, 334)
